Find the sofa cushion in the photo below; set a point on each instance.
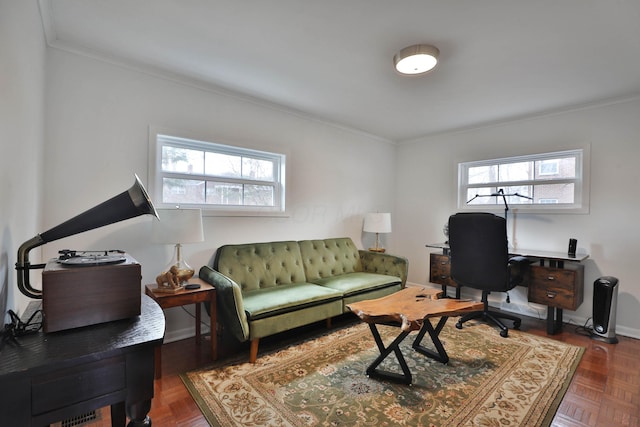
(329, 257)
(261, 265)
(280, 299)
(355, 283)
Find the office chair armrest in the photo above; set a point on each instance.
(518, 266)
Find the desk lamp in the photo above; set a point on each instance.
(177, 226)
(377, 223)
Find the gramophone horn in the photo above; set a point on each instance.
(128, 204)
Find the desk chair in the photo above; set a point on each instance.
(480, 260)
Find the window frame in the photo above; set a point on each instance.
(159, 138)
(580, 182)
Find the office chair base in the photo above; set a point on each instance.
(492, 317)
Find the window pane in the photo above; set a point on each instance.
(259, 170)
(556, 168)
(258, 195)
(483, 174)
(522, 190)
(548, 167)
(223, 165)
(216, 177)
(222, 193)
(182, 160)
(520, 171)
(182, 191)
(561, 193)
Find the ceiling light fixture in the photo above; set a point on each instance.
(416, 59)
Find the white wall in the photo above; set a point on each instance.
(22, 68)
(98, 116)
(426, 196)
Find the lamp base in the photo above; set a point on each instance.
(176, 275)
(380, 250)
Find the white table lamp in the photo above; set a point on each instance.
(377, 223)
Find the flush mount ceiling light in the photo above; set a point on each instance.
(416, 59)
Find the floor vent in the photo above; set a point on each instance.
(79, 420)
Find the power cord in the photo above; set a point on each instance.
(17, 328)
(202, 322)
(585, 330)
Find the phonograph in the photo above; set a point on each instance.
(85, 288)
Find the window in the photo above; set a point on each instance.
(535, 183)
(214, 177)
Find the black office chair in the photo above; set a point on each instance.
(480, 260)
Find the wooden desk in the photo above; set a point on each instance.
(206, 293)
(410, 309)
(555, 280)
(46, 378)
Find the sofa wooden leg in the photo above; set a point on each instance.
(329, 323)
(253, 352)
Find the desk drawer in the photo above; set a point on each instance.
(557, 287)
(440, 270)
(82, 383)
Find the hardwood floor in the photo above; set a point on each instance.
(605, 390)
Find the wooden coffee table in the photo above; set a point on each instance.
(409, 309)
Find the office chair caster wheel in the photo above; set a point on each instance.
(516, 324)
(459, 325)
(504, 333)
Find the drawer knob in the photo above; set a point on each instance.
(444, 277)
(551, 294)
(551, 278)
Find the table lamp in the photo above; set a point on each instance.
(177, 226)
(377, 223)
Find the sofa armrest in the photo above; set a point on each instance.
(229, 302)
(381, 263)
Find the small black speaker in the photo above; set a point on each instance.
(573, 245)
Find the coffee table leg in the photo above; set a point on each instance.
(384, 352)
(441, 355)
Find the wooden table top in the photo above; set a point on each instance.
(410, 306)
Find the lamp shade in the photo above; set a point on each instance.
(377, 223)
(178, 226)
(416, 59)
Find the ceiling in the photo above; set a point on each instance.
(332, 59)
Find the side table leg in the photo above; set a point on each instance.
(198, 323)
(213, 325)
(157, 356)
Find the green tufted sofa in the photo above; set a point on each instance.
(266, 288)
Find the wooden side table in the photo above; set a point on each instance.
(204, 293)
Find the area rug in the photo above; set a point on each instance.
(489, 381)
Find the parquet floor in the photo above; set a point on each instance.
(604, 392)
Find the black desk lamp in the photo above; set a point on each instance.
(500, 193)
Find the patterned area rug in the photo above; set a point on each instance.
(489, 381)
